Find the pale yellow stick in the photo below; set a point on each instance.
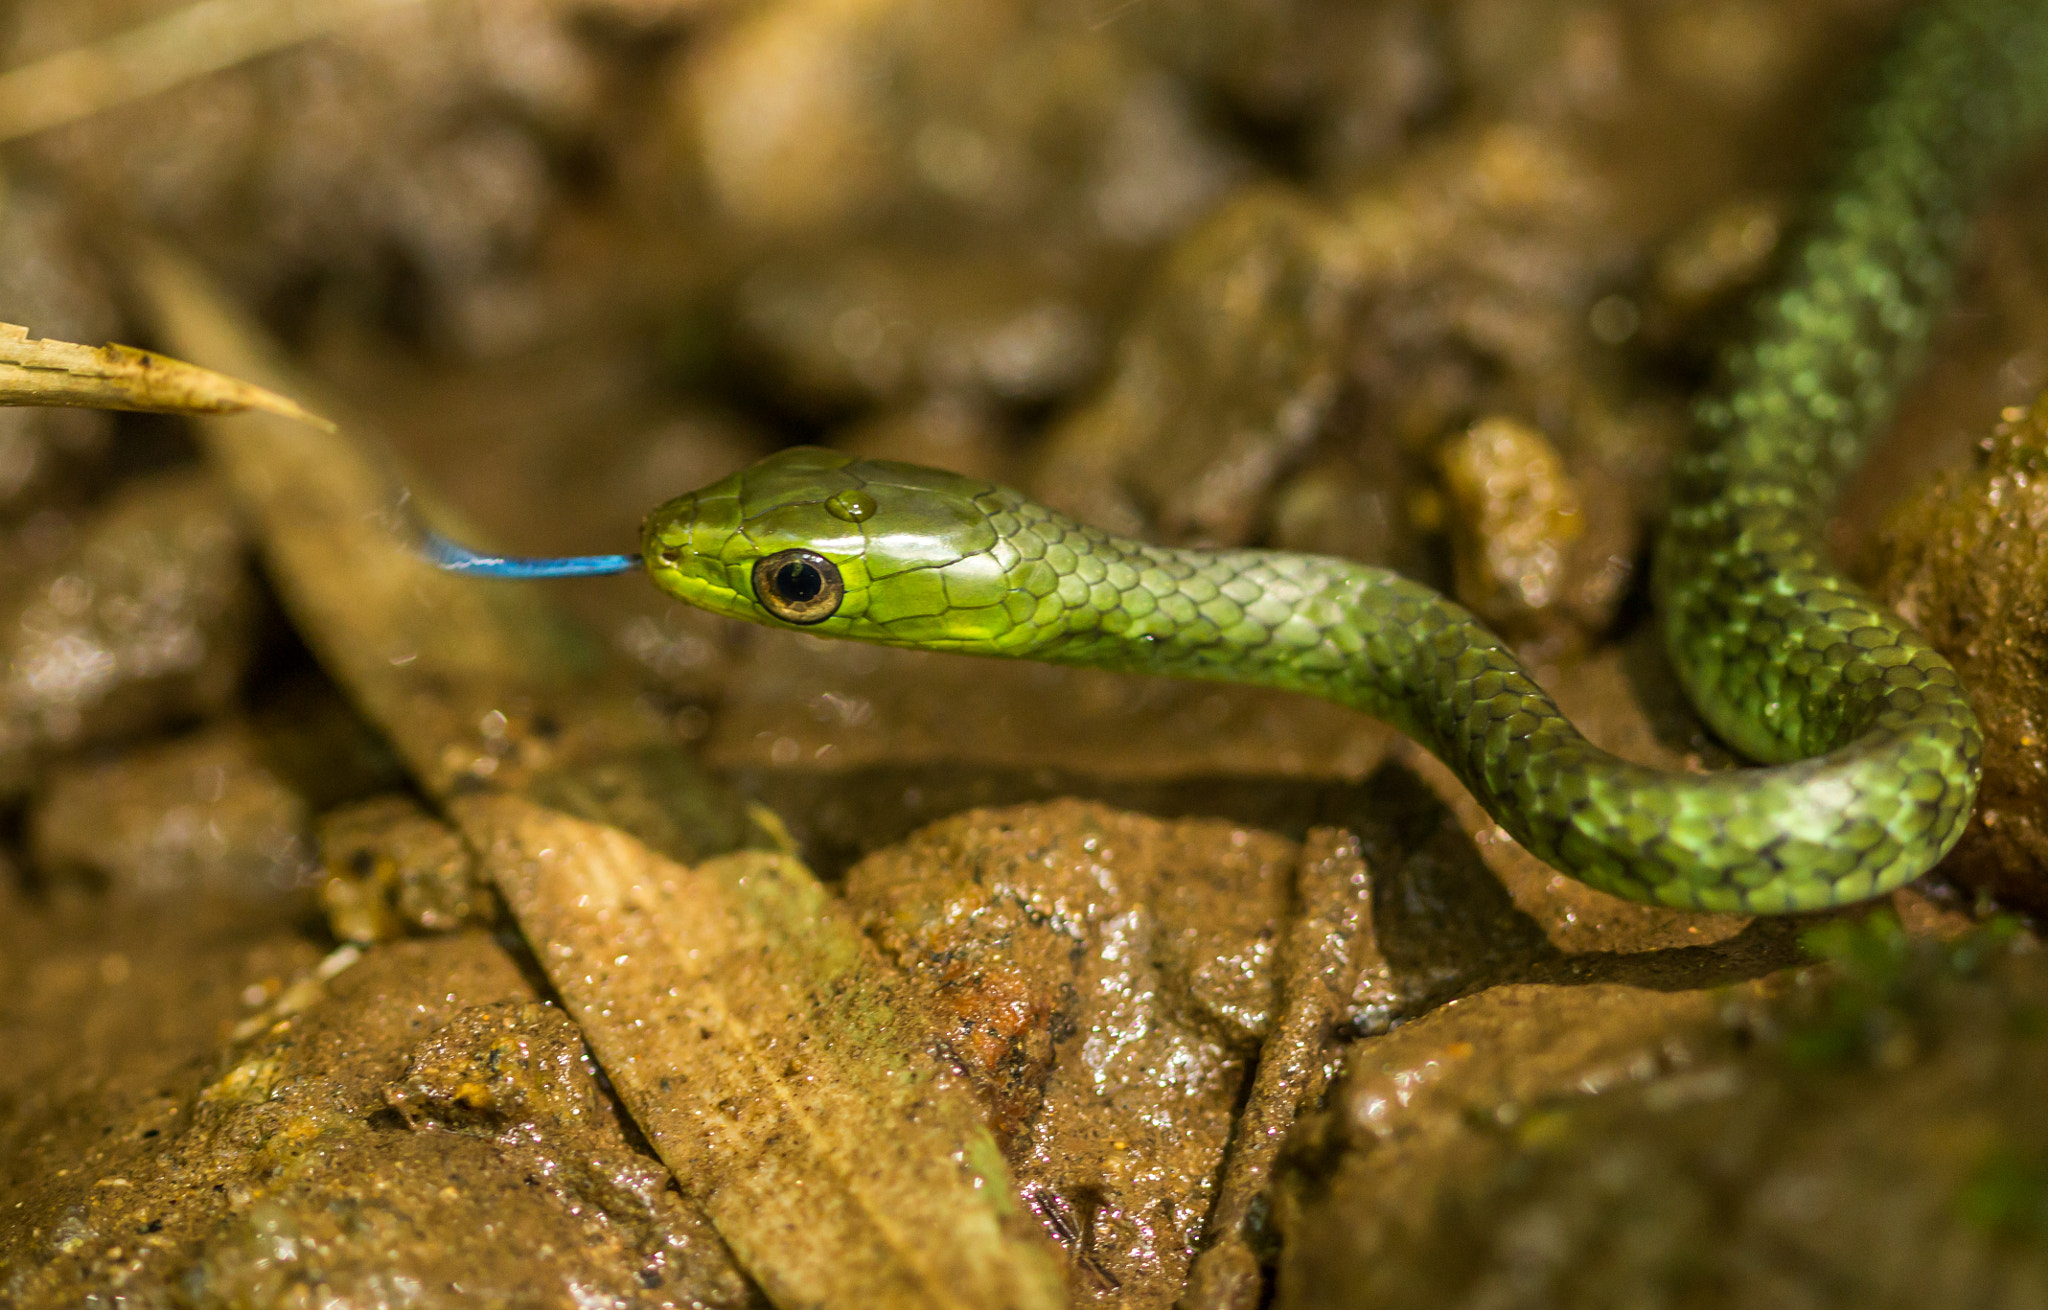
(122, 377)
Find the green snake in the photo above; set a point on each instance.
(1870, 745)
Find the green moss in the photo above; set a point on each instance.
(1879, 988)
(2006, 1194)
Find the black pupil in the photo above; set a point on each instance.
(798, 583)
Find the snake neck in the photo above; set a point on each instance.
(1334, 628)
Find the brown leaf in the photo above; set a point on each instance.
(758, 1038)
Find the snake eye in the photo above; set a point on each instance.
(798, 586)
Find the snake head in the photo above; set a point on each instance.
(869, 549)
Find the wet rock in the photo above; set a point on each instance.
(1350, 82)
(1497, 267)
(200, 817)
(817, 704)
(1318, 962)
(511, 1070)
(1864, 1135)
(1541, 554)
(1479, 258)
(1490, 271)
(114, 1010)
(1291, 370)
(517, 1073)
(1620, 445)
(816, 117)
(392, 868)
(146, 621)
(1965, 563)
(316, 742)
(1745, 85)
(1482, 265)
(1103, 977)
(1226, 376)
(885, 324)
(1413, 1104)
(780, 105)
(282, 1173)
(946, 200)
(1358, 503)
(1517, 517)
(55, 288)
(417, 155)
(950, 431)
(1710, 264)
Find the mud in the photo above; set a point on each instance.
(275, 1168)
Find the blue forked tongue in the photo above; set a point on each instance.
(446, 554)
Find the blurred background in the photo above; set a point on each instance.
(1425, 283)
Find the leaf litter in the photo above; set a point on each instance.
(757, 1038)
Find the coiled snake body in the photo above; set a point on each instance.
(1872, 746)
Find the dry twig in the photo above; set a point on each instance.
(122, 377)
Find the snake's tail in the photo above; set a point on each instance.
(1783, 656)
(457, 558)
